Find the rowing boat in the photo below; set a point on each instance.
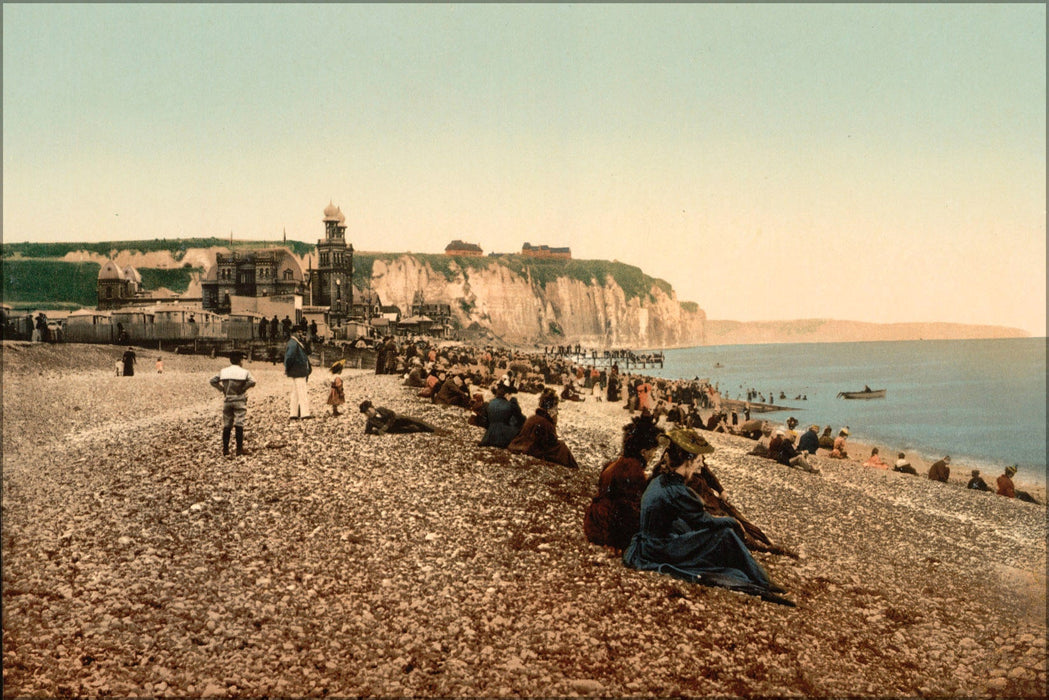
(865, 394)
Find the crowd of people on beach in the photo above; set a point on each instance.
(675, 518)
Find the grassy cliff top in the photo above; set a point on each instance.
(630, 278)
(176, 246)
(634, 282)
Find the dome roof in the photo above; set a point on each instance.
(342, 217)
(212, 274)
(331, 212)
(288, 262)
(131, 274)
(110, 271)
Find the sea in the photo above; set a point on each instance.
(983, 402)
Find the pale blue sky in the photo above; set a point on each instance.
(880, 163)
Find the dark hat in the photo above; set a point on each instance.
(548, 399)
(1010, 470)
(365, 405)
(237, 355)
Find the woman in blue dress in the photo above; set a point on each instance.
(504, 419)
(680, 538)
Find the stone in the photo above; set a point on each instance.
(586, 686)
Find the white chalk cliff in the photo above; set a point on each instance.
(519, 309)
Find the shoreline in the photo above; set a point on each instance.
(859, 451)
(990, 458)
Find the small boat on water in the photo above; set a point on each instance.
(867, 393)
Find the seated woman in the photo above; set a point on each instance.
(382, 420)
(570, 393)
(433, 382)
(679, 537)
(504, 418)
(1007, 489)
(875, 460)
(614, 514)
(752, 429)
(776, 445)
(840, 450)
(790, 456)
(417, 375)
(676, 415)
(976, 482)
(478, 411)
(508, 382)
(826, 441)
(903, 466)
(452, 393)
(538, 436)
(717, 423)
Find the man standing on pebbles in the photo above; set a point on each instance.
(297, 366)
(234, 382)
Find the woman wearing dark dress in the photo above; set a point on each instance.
(680, 538)
(538, 436)
(381, 420)
(504, 419)
(614, 514)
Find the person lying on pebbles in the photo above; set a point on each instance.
(381, 420)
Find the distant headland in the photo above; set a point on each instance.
(822, 330)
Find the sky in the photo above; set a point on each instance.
(880, 163)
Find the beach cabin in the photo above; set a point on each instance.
(89, 326)
(186, 323)
(350, 330)
(243, 325)
(133, 325)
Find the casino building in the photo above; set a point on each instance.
(331, 282)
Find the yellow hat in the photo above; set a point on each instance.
(690, 441)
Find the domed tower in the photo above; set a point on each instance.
(133, 279)
(331, 281)
(112, 286)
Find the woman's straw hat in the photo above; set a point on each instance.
(690, 441)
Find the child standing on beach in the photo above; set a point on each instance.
(160, 365)
(234, 382)
(336, 397)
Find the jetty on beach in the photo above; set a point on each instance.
(624, 358)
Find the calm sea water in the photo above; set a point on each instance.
(981, 401)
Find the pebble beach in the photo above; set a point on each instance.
(138, 561)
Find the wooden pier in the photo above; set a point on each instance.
(627, 360)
